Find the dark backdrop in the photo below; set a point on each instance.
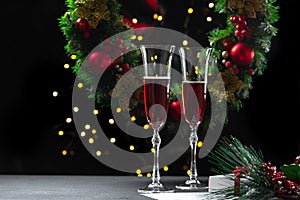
(32, 68)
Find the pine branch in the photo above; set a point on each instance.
(231, 153)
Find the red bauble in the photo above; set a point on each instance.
(99, 61)
(175, 110)
(241, 54)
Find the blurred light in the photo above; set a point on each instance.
(133, 37)
(159, 18)
(211, 5)
(140, 175)
(55, 94)
(190, 10)
(91, 140)
(112, 140)
(66, 66)
(185, 42)
(140, 38)
(134, 20)
(118, 110)
(188, 172)
(152, 150)
(133, 118)
(200, 143)
(155, 57)
(94, 131)
(79, 85)
(166, 168)
(196, 70)
(111, 121)
(60, 133)
(64, 152)
(73, 57)
(148, 175)
(69, 120)
(76, 109)
(131, 147)
(87, 126)
(155, 16)
(96, 112)
(209, 19)
(98, 153)
(138, 171)
(146, 126)
(82, 134)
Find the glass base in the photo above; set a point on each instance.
(192, 185)
(155, 188)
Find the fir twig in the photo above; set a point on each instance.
(231, 153)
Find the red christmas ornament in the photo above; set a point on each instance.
(235, 70)
(241, 54)
(228, 64)
(227, 44)
(175, 110)
(99, 61)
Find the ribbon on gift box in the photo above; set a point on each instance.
(238, 173)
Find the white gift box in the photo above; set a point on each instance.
(217, 182)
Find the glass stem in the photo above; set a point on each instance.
(193, 144)
(156, 143)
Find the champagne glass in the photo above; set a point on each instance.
(194, 66)
(157, 74)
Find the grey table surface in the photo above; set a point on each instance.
(65, 187)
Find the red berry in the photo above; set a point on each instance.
(244, 32)
(251, 71)
(241, 17)
(82, 24)
(235, 70)
(237, 33)
(240, 37)
(233, 19)
(241, 25)
(228, 64)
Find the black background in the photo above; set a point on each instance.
(32, 61)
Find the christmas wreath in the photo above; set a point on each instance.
(241, 47)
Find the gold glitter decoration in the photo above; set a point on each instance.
(247, 7)
(93, 11)
(122, 92)
(231, 83)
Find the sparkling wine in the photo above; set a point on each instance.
(156, 99)
(193, 101)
